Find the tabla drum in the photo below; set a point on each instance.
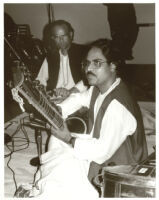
(129, 180)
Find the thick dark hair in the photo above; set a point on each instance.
(111, 52)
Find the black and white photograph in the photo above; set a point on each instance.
(79, 87)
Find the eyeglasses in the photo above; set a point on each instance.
(96, 64)
(57, 37)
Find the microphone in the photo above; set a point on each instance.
(44, 126)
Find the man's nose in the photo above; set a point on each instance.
(90, 67)
(61, 38)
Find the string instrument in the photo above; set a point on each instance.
(36, 95)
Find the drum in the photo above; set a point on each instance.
(129, 180)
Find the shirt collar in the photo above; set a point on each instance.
(112, 87)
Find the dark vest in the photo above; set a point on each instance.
(134, 148)
(75, 54)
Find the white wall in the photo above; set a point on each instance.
(89, 20)
(90, 23)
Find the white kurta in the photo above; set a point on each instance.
(116, 125)
(65, 79)
(63, 164)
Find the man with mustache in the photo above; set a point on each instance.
(115, 134)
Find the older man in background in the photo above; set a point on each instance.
(62, 67)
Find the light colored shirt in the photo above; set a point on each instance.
(43, 74)
(116, 125)
(65, 79)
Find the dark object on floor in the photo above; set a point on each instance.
(7, 138)
(35, 161)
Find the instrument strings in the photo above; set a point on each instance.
(38, 98)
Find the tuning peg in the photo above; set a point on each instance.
(29, 73)
(36, 82)
(23, 67)
(25, 70)
(10, 84)
(41, 87)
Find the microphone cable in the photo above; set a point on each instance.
(10, 157)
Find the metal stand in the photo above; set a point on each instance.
(38, 126)
(39, 141)
(36, 161)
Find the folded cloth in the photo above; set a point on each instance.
(62, 175)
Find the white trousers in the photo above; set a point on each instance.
(62, 175)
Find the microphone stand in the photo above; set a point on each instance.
(36, 160)
(38, 126)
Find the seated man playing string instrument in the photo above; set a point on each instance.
(115, 133)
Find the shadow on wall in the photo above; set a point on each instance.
(123, 26)
(141, 80)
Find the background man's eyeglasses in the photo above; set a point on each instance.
(96, 64)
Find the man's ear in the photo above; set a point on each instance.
(113, 67)
(71, 35)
